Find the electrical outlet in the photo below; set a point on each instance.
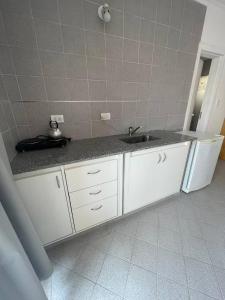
(105, 116)
(57, 118)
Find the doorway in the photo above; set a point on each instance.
(200, 90)
(210, 63)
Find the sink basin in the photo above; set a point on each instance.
(139, 139)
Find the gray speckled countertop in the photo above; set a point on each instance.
(89, 149)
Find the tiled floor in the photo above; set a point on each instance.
(174, 250)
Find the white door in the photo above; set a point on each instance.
(172, 170)
(141, 178)
(45, 200)
(151, 176)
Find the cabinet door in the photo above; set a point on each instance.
(172, 169)
(153, 175)
(142, 184)
(45, 200)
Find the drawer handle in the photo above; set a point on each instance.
(97, 208)
(57, 181)
(160, 158)
(95, 193)
(165, 157)
(95, 172)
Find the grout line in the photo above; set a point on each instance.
(76, 101)
(61, 31)
(157, 252)
(83, 78)
(74, 272)
(139, 40)
(211, 265)
(123, 60)
(87, 73)
(88, 81)
(38, 55)
(168, 279)
(84, 31)
(96, 57)
(14, 74)
(105, 60)
(217, 281)
(60, 22)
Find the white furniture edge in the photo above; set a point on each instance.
(155, 149)
(93, 161)
(47, 171)
(62, 169)
(126, 168)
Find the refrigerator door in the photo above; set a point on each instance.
(203, 163)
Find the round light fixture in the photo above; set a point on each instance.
(104, 13)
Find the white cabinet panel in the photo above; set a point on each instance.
(152, 175)
(90, 175)
(201, 164)
(172, 170)
(93, 194)
(95, 213)
(95, 190)
(84, 193)
(45, 200)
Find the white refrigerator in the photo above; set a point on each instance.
(202, 160)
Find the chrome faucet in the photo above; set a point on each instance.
(132, 131)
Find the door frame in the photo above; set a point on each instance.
(196, 85)
(216, 69)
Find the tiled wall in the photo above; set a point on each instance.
(7, 119)
(58, 57)
(7, 124)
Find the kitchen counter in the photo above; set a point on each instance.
(87, 149)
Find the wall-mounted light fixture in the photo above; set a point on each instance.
(104, 13)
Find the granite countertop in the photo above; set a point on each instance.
(92, 148)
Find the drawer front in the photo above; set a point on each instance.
(91, 175)
(95, 213)
(93, 194)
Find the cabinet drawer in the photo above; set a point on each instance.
(93, 194)
(95, 213)
(91, 175)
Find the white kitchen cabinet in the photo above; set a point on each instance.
(95, 190)
(65, 200)
(93, 173)
(45, 199)
(95, 213)
(153, 174)
(93, 194)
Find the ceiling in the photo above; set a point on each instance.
(218, 2)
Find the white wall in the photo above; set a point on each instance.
(214, 36)
(213, 30)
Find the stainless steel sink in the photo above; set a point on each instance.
(139, 139)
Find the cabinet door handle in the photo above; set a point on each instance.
(58, 181)
(94, 172)
(95, 193)
(160, 158)
(164, 158)
(97, 208)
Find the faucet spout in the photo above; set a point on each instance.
(132, 130)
